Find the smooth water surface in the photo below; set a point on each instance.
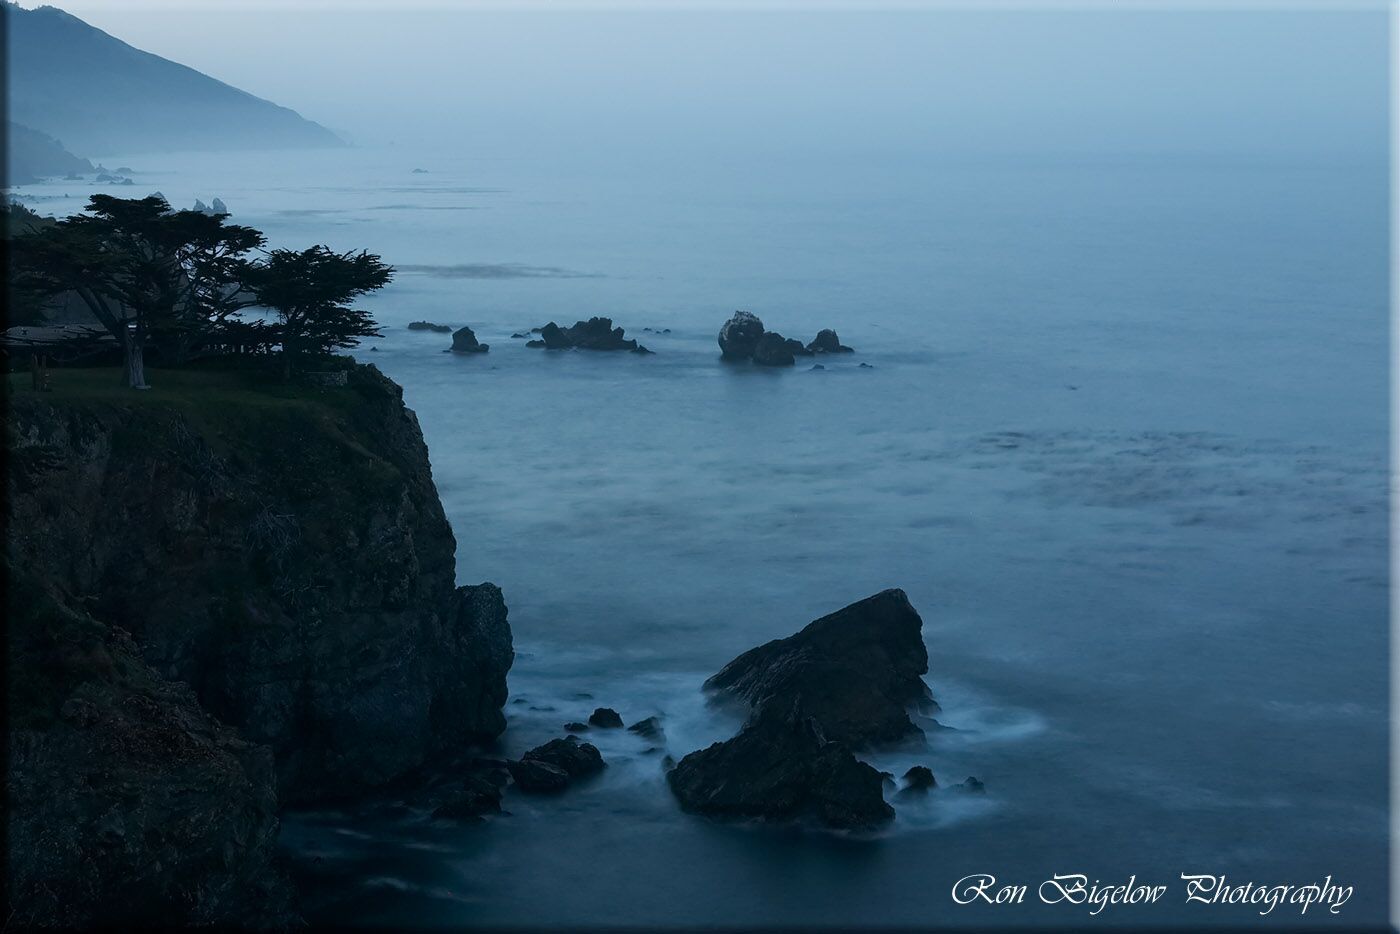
(1123, 441)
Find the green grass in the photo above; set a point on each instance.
(189, 389)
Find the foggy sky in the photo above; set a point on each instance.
(932, 80)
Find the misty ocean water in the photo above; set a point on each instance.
(1123, 441)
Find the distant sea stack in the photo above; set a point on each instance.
(98, 95)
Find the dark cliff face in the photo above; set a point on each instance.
(283, 553)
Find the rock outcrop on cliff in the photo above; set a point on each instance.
(283, 553)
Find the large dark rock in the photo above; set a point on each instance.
(593, 334)
(856, 671)
(772, 350)
(781, 768)
(826, 341)
(464, 341)
(740, 335)
(577, 759)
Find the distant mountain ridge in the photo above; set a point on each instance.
(100, 96)
(33, 155)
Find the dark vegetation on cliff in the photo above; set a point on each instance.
(232, 594)
(178, 282)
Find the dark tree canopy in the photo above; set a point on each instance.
(139, 267)
(312, 290)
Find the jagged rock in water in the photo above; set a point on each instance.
(972, 786)
(464, 341)
(429, 326)
(826, 341)
(576, 727)
(797, 348)
(649, 728)
(577, 759)
(199, 206)
(640, 349)
(739, 336)
(605, 717)
(518, 335)
(919, 779)
(593, 334)
(219, 208)
(772, 350)
(781, 767)
(535, 775)
(856, 671)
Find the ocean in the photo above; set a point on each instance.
(1122, 438)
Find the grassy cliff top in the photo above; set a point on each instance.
(189, 388)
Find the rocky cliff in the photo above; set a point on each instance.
(235, 596)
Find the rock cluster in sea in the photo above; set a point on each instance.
(743, 337)
(844, 683)
(593, 334)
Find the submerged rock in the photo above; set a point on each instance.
(650, 728)
(740, 335)
(576, 727)
(797, 348)
(605, 717)
(826, 341)
(464, 341)
(593, 334)
(429, 326)
(477, 796)
(772, 350)
(781, 768)
(577, 759)
(972, 786)
(534, 775)
(856, 671)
